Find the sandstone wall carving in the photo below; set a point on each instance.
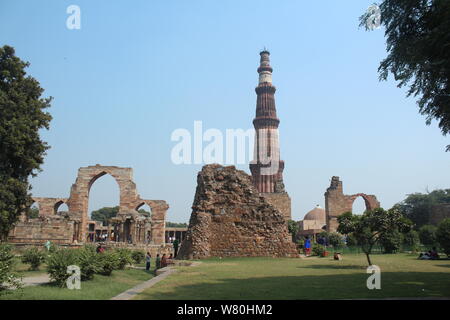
(337, 203)
(230, 218)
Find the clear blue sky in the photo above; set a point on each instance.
(138, 70)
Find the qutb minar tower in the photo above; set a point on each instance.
(266, 167)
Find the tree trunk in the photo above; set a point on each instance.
(368, 259)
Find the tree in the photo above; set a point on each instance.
(411, 239)
(427, 235)
(391, 241)
(21, 148)
(371, 225)
(417, 206)
(293, 228)
(176, 224)
(335, 239)
(443, 235)
(104, 214)
(33, 213)
(418, 42)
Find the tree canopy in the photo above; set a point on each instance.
(104, 214)
(22, 115)
(370, 227)
(418, 47)
(417, 206)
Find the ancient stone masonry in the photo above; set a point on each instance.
(230, 218)
(266, 166)
(129, 225)
(336, 203)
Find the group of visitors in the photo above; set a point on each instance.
(430, 255)
(100, 249)
(160, 262)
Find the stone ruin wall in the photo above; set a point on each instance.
(280, 201)
(72, 228)
(337, 203)
(230, 218)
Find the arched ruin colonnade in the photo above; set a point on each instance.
(137, 226)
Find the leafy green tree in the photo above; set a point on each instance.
(418, 44)
(33, 213)
(335, 239)
(427, 235)
(391, 241)
(411, 239)
(176, 224)
(417, 206)
(104, 214)
(371, 225)
(351, 240)
(21, 148)
(293, 228)
(443, 235)
(144, 212)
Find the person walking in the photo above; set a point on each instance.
(175, 247)
(148, 258)
(307, 247)
(158, 261)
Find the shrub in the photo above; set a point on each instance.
(8, 279)
(86, 259)
(427, 235)
(335, 239)
(34, 257)
(137, 256)
(318, 249)
(108, 261)
(57, 264)
(124, 257)
(391, 241)
(443, 235)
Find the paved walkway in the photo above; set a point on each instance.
(161, 275)
(35, 280)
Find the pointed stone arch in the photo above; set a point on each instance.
(337, 203)
(129, 198)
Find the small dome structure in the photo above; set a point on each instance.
(316, 214)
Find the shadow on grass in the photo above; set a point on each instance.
(327, 266)
(339, 286)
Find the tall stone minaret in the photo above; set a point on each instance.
(266, 167)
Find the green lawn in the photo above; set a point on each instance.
(23, 269)
(100, 288)
(402, 275)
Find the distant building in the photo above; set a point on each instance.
(314, 222)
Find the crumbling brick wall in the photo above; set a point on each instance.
(337, 203)
(230, 218)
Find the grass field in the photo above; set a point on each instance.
(100, 288)
(402, 275)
